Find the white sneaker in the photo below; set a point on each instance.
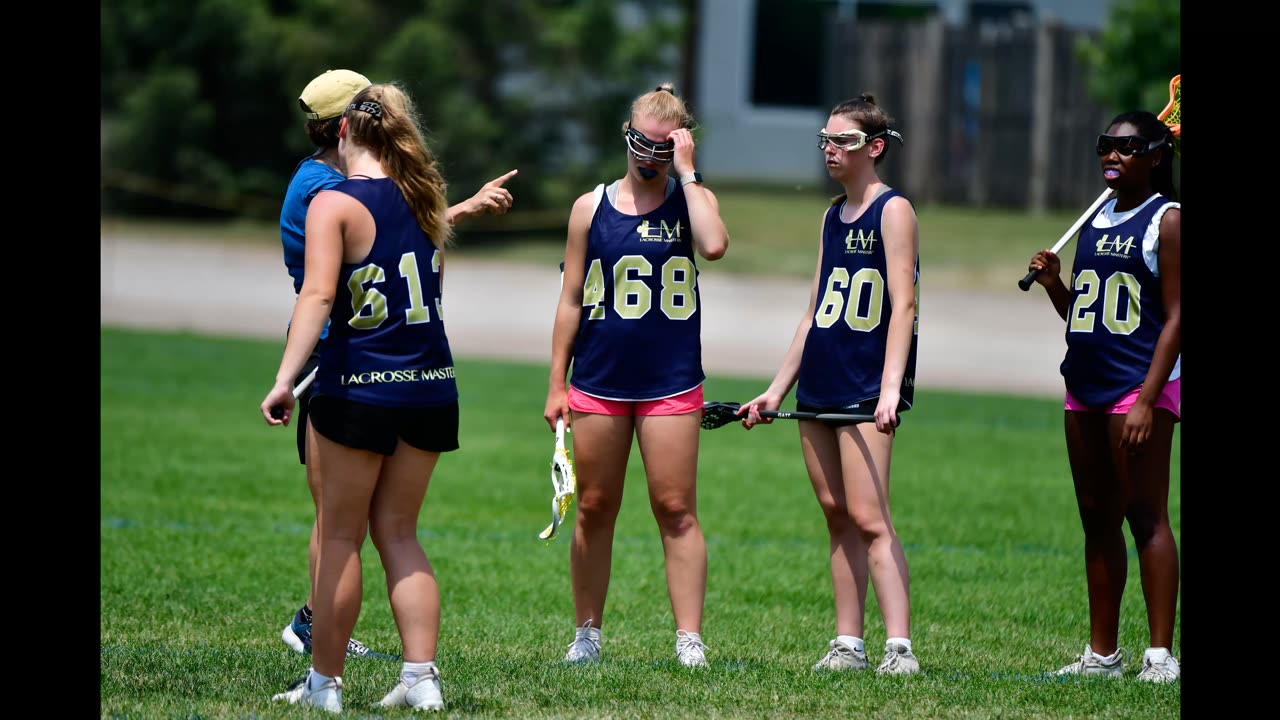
(423, 695)
(1091, 664)
(1159, 666)
(843, 657)
(326, 697)
(898, 660)
(586, 643)
(690, 650)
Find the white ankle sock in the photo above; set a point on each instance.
(854, 642)
(317, 680)
(1157, 655)
(1106, 659)
(412, 671)
(899, 641)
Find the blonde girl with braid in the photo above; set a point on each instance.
(385, 402)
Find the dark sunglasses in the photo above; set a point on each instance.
(1127, 145)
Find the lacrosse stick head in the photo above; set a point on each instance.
(719, 414)
(1172, 113)
(563, 483)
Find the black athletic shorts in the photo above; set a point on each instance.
(866, 407)
(300, 408)
(376, 429)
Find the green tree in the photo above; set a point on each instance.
(201, 95)
(1140, 49)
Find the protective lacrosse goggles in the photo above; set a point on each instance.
(851, 140)
(645, 149)
(1127, 145)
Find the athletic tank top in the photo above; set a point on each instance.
(843, 360)
(1117, 309)
(640, 335)
(387, 344)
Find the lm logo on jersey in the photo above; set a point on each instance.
(860, 244)
(658, 233)
(1114, 246)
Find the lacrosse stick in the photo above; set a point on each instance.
(719, 414)
(562, 480)
(277, 412)
(1172, 116)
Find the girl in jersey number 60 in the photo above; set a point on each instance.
(629, 318)
(855, 352)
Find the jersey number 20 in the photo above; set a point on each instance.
(1088, 284)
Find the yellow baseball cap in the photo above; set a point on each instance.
(329, 94)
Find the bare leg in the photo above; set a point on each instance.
(669, 446)
(347, 478)
(1100, 499)
(848, 552)
(313, 552)
(601, 446)
(865, 456)
(393, 525)
(1145, 477)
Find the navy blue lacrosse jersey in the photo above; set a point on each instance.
(387, 344)
(843, 360)
(640, 335)
(1117, 309)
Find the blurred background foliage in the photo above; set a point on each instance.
(199, 110)
(200, 118)
(1141, 40)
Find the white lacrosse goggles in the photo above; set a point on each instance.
(645, 149)
(851, 140)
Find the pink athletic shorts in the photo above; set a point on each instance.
(1170, 399)
(686, 402)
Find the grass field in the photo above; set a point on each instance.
(774, 232)
(205, 520)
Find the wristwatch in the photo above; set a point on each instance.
(696, 177)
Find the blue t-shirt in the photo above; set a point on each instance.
(309, 178)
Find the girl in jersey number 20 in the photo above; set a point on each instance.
(855, 351)
(1123, 372)
(629, 319)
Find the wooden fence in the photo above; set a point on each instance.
(991, 115)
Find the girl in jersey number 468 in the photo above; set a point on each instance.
(629, 319)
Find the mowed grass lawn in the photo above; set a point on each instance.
(205, 519)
